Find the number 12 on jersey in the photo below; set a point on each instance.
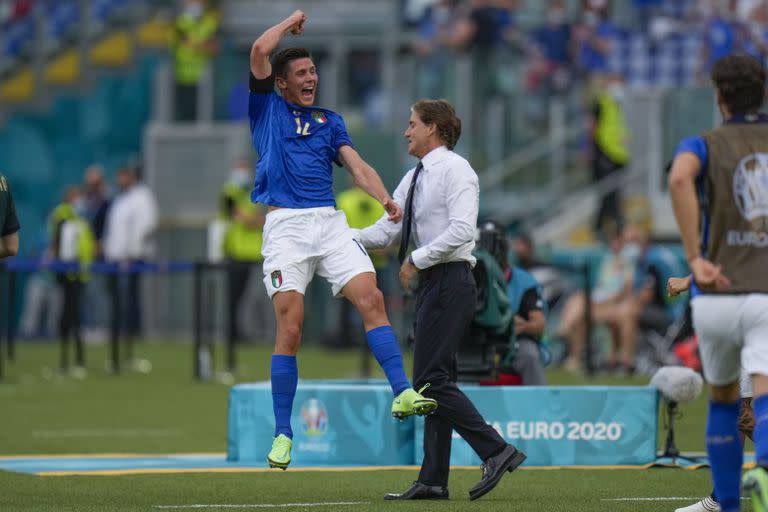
(299, 130)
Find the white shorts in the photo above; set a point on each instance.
(733, 336)
(301, 242)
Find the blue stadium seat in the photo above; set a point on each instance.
(18, 35)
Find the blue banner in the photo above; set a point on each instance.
(333, 424)
(349, 423)
(564, 426)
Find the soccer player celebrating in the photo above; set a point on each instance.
(304, 234)
(719, 190)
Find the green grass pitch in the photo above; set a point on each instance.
(166, 411)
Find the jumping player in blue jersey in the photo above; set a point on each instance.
(304, 234)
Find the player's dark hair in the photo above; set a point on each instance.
(441, 114)
(741, 82)
(281, 59)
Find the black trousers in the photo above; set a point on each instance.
(185, 99)
(238, 273)
(610, 214)
(445, 305)
(69, 321)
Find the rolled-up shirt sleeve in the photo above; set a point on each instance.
(462, 197)
(384, 232)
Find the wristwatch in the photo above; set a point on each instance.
(410, 260)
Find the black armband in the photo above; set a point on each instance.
(263, 86)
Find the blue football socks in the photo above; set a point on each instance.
(285, 376)
(383, 344)
(725, 452)
(760, 407)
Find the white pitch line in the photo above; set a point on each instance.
(269, 505)
(658, 499)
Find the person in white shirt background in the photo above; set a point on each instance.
(129, 238)
(440, 199)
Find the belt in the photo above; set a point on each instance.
(441, 269)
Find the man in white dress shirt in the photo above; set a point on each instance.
(129, 237)
(440, 198)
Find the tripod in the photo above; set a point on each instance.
(670, 448)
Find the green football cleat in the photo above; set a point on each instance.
(280, 455)
(755, 482)
(411, 402)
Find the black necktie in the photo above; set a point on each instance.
(405, 234)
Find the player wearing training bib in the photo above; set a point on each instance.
(304, 234)
(719, 190)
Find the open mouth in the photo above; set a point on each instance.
(307, 93)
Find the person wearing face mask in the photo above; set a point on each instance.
(193, 43)
(129, 239)
(654, 265)
(72, 241)
(242, 250)
(610, 149)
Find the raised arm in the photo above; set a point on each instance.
(268, 41)
(369, 180)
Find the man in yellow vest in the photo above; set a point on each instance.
(193, 44)
(72, 241)
(242, 242)
(610, 150)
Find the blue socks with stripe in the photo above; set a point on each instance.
(383, 344)
(760, 406)
(285, 376)
(725, 452)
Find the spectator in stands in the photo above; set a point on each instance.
(193, 43)
(612, 304)
(491, 24)
(551, 58)
(72, 241)
(646, 11)
(755, 29)
(720, 34)
(443, 31)
(9, 223)
(526, 299)
(610, 149)
(129, 239)
(594, 37)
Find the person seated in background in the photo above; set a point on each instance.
(654, 264)
(525, 298)
(613, 304)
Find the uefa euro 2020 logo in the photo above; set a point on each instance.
(314, 417)
(750, 189)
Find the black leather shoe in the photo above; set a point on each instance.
(494, 468)
(419, 491)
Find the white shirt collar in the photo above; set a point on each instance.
(435, 156)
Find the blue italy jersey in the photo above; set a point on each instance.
(696, 145)
(297, 147)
